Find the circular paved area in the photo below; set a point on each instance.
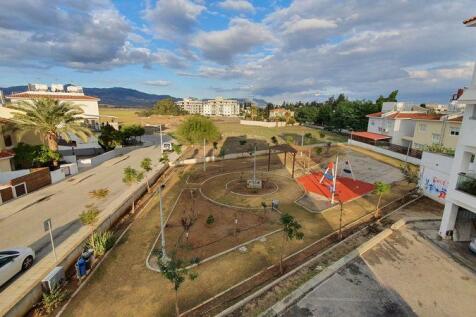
(222, 189)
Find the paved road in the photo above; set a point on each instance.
(21, 220)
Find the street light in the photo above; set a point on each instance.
(162, 229)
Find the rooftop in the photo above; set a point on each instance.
(57, 96)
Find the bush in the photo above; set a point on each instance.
(27, 156)
(321, 134)
(100, 242)
(52, 299)
(195, 260)
(89, 216)
(318, 150)
(210, 220)
(99, 193)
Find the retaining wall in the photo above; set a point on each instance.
(230, 156)
(265, 124)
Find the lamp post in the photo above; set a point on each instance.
(161, 143)
(162, 229)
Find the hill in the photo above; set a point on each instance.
(113, 97)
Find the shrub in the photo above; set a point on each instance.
(318, 150)
(52, 299)
(100, 242)
(210, 220)
(242, 142)
(321, 134)
(195, 260)
(89, 216)
(99, 193)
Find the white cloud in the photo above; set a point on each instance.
(300, 25)
(173, 19)
(240, 37)
(158, 83)
(237, 5)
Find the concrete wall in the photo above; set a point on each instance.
(386, 152)
(435, 175)
(57, 176)
(263, 123)
(6, 177)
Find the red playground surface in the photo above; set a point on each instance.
(346, 188)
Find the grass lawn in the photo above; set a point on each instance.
(123, 286)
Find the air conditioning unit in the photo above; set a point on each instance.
(55, 277)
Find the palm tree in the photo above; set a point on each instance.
(51, 119)
(130, 177)
(380, 189)
(291, 230)
(146, 165)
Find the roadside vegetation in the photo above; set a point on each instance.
(165, 106)
(196, 129)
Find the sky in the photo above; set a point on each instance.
(278, 50)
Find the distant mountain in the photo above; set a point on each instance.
(259, 102)
(125, 97)
(114, 97)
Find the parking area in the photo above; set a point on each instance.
(404, 275)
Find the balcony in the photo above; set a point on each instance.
(466, 184)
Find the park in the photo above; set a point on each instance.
(229, 232)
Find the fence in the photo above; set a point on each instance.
(387, 152)
(391, 147)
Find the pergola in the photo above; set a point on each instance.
(369, 137)
(282, 148)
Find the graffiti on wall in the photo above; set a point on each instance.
(436, 186)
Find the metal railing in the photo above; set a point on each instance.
(466, 184)
(390, 146)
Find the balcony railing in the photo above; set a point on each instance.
(466, 184)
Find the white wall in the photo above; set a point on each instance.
(398, 156)
(401, 129)
(263, 123)
(57, 176)
(435, 175)
(5, 177)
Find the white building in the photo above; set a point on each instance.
(191, 105)
(222, 107)
(459, 217)
(73, 94)
(212, 107)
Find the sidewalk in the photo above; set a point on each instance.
(21, 221)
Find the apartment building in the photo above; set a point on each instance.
(211, 107)
(443, 131)
(459, 216)
(191, 105)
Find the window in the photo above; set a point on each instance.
(435, 138)
(454, 131)
(372, 122)
(7, 139)
(422, 127)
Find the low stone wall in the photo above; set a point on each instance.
(398, 156)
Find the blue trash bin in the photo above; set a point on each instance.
(81, 266)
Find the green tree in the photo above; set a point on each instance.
(380, 189)
(177, 148)
(291, 231)
(131, 176)
(195, 129)
(109, 137)
(131, 132)
(27, 156)
(146, 165)
(274, 140)
(167, 107)
(176, 272)
(392, 97)
(51, 119)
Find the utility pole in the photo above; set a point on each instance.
(161, 143)
(302, 143)
(204, 156)
(48, 227)
(254, 167)
(162, 229)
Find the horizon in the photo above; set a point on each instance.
(279, 50)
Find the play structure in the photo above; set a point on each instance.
(333, 185)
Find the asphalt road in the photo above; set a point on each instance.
(21, 220)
